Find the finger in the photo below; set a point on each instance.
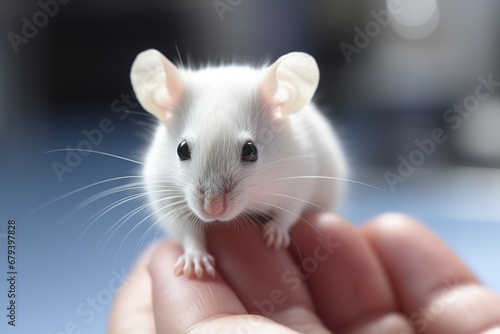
(181, 303)
(346, 280)
(132, 310)
(262, 277)
(435, 289)
(240, 324)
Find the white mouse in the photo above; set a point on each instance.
(235, 143)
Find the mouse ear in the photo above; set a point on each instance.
(157, 83)
(290, 82)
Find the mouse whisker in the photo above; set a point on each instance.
(327, 178)
(244, 219)
(92, 220)
(272, 163)
(156, 223)
(117, 203)
(118, 224)
(183, 211)
(297, 199)
(258, 188)
(278, 207)
(142, 221)
(83, 188)
(100, 195)
(96, 216)
(148, 127)
(239, 222)
(299, 217)
(148, 115)
(112, 191)
(96, 152)
(253, 124)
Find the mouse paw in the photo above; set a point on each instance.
(276, 236)
(198, 263)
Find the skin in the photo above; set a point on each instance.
(374, 279)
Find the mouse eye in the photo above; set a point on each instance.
(249, 152)
(183, 151)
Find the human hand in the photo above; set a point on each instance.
(390, 276)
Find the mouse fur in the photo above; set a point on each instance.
(224, 117)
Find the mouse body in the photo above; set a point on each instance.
(234, 143)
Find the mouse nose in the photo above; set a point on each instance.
(214, 206)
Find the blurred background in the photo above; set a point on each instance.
(413, 89)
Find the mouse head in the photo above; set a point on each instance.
(217, 122)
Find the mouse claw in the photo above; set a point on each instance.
(211, 272)
(270, 239)
(196, 263)
(209, 265)
(276, 236)
(179, 265)
(197, 269)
